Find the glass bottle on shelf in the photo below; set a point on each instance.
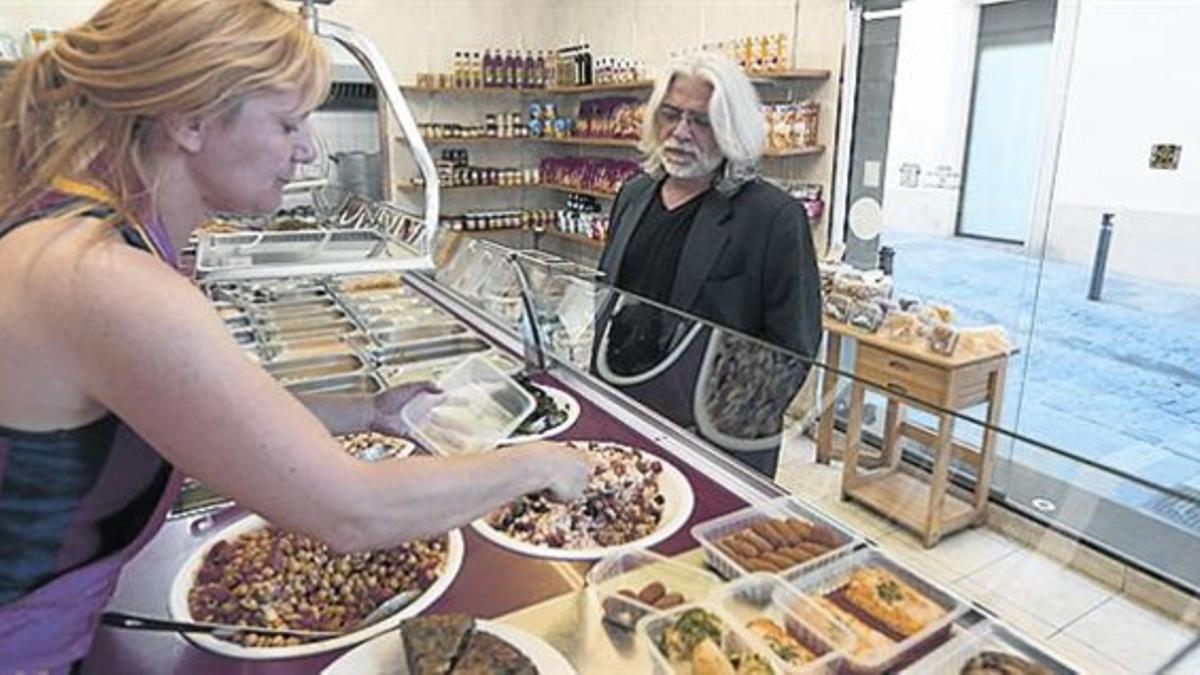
(529, 77)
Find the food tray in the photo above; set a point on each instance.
(562, 401)
(315, 368)
(313, 329)
(262, 255)
(651, 628)
(418, 333)
(385, 654)
(357, 383)
(677, 503)
(186, 576)
(432, 350)
(281, 311)
(768, 596)
(477, 408)
(309, 317)
(830, 577)
(987, 635)
(289, 350)
(633, 570)
(710, 532)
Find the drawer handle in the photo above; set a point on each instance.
(898, 388)
(898, 365)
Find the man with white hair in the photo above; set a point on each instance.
(701, 233)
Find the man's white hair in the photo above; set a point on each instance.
(734, 111)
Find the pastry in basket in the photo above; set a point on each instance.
(890, 601)
(999, 663)
(780, 641)
(450, 643)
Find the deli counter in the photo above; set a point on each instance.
(689, 542)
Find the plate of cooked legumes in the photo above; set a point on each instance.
(256, 575)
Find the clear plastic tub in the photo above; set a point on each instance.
(732, 640)
(633, 570)
(477, 408)
(986, 636)
(893, 652)
(766, 596)
(712, 534)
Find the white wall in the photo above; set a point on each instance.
(1135, 81)
(931, 103)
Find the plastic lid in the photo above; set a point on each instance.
(478, 407)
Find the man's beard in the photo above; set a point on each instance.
(700, 164)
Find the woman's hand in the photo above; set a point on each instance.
(567, 471)
(389, 403)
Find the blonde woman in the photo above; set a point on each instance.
(114, 370)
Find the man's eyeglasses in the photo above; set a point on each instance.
(669, 116)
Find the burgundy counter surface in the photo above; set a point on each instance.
(492, 582)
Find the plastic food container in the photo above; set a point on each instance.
(766, 596)
(635, 569)
(650, 631)
(831, 577)
(710, 533)
(477, 408)
(986, 636)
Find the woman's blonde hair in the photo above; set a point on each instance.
(82, 108)
(734, 111)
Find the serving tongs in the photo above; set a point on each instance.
(137, 622)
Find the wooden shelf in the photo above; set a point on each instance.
(533, 91)
(566, 236)
(905, 498)
(467, 90)
(795, 74)
(455, 188)
(590, 141)
(756, 78)
(445, 140)
(588, 88)
(795, 152)
(580, 191)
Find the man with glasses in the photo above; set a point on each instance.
(700, 232)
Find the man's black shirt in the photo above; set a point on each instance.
(641, 335)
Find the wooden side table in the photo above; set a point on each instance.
(909, 375)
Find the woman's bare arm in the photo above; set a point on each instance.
(157, 355)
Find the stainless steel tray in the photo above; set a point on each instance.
(300, 330)
(328, 345)
(417, 333)
(265, 255)
(431, 350)
(310, 317)
(315, 368)
(357, 383)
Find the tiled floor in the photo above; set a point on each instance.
(1085, 622)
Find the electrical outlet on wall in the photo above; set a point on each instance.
(1165, 156)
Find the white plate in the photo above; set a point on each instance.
(178, 602)
(563, 400)
(385, 654)
(678, 501)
